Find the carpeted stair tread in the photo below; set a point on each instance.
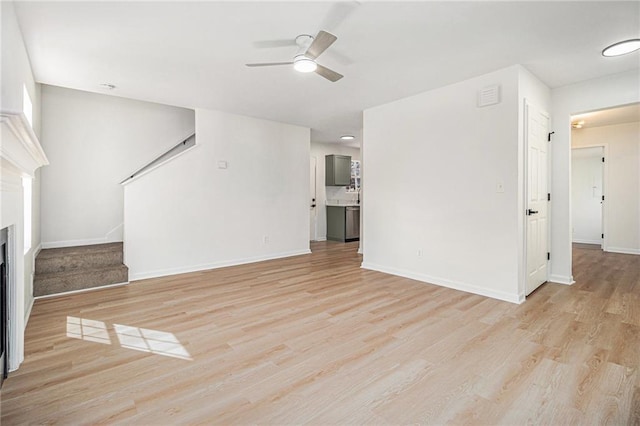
(78, 250)
(67, 258)
(65, 269)
(72, 272)
(79, 279)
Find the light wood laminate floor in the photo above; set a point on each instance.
(315, 339)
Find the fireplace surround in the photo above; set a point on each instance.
(20, 156)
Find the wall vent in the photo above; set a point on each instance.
(489, 95)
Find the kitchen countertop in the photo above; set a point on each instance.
(345, 204)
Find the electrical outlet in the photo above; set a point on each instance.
(419, 253)
(265, 239)
(499, 187)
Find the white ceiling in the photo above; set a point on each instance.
(193, 54)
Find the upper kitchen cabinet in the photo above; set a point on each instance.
(337, 170)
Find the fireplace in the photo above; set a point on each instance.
(21, 155)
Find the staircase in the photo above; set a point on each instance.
(61, 270)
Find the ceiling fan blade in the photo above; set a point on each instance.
(330, 75)
(338, 13)
(266, 44)
(269, 64)
(320, 43)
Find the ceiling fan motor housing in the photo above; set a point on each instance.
(304, 41)
(301, 62)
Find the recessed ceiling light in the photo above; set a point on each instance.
(347, 137)
(622, 48)
(578, 124)
(108, 86)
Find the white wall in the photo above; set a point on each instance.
(93, 142)
(622, 182)
(190, 214)
(586, 195)
(17, 74)
(432, 165)
(323, 193)
(590, 95)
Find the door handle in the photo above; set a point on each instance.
(530, 212)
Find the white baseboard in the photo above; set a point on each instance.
(134, 276)
(623, 250)
(84, 290)
(581, 241)
(73, 243)
(561, 279)
(321, 239)
(469, 288)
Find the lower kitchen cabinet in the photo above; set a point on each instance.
(343, 223)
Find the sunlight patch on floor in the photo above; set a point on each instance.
(139, 339)
(89, 330)
(154, 341)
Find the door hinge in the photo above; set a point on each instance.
(602, 235)
(548, 196)
(603, 159)
(603, 198)
(548, 256)
(549, 136)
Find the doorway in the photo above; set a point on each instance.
(587, 195)
(613, 184)
(313, 211)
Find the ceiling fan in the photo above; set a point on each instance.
(309, 48)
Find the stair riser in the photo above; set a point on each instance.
(79, 281)
(74, 262)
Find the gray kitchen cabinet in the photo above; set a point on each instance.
(337, 170)
(343, 223)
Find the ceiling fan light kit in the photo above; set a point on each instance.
(303, 64)
(309, 48)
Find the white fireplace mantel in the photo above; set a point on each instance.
(20, 156)
(20, 148)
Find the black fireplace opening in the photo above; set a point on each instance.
(4, 319)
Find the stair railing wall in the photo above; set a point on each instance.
(180, 148)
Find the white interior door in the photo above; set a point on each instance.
(537, 222)
(586, 194)
(312, 198)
